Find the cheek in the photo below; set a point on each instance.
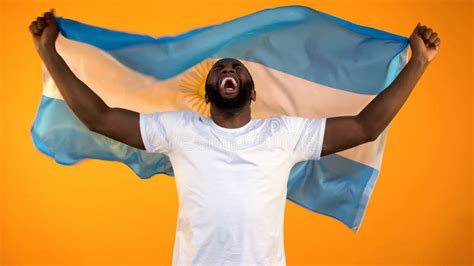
(245, 77)
(212, 81)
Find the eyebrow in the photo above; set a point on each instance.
(233, 64)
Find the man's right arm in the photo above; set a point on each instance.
(116, 123)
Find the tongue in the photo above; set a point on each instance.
(229, 87)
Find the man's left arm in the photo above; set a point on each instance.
(349, 131)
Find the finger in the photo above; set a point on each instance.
(41, 23)
(432, 38)
(417, 28)
(421, 30)
(34, 28)
(436, 43)
(49, 16)
(427, 34)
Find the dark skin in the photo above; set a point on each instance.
(234, 118)
(341, 132)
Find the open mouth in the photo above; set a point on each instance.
(229, 85)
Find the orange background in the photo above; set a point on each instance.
(99, 212)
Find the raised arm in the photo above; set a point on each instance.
(348, 131)
(116, 123)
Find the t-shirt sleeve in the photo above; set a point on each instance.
(307, 137)
(156, 130)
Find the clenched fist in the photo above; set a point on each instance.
(424, 43)
(45, 31)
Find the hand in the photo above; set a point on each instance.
(424, 43)
(45, 31)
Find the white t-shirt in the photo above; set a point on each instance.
(231, 183)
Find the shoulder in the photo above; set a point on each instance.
(186, 116)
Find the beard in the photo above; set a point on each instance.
(230, 104)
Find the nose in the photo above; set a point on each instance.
(227, 69)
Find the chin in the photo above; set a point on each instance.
(229, 96)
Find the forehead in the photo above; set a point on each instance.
(227, 61)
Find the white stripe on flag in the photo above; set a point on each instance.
(278, 93)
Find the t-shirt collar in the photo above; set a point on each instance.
(215, 126)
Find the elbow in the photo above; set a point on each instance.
(370, 132)
(92, 126)
(370, 136)
(96, 123)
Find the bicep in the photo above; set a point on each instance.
(342, 133)
(121, 125)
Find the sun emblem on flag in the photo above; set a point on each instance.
(192, 85)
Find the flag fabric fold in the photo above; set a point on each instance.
(303, 62)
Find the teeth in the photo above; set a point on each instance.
(228, 78)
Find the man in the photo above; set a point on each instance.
(231, 169)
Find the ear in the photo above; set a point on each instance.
(253, 96)
(206, 99)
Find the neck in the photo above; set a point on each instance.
(231, 119)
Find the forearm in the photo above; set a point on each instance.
(345, 132)
(380, 111)
(81, 99)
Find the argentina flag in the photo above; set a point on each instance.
(303, 63)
